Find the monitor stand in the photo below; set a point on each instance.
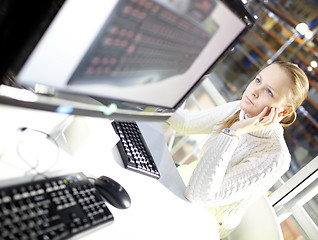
(71, 133)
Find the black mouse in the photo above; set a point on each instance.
(113, 192)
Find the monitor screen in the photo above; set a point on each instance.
(143, 56)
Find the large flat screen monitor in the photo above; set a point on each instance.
(127, 58)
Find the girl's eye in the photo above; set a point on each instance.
(269, 92)
(257, 80)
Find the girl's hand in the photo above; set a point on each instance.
(258, 122)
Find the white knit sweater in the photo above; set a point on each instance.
(231, 172)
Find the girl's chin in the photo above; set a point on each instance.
(244, 107)
(248, 112)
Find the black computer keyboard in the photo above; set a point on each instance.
(54, 208)
(133, 149)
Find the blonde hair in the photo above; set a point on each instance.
(298, 93)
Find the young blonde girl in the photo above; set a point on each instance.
(246, 152)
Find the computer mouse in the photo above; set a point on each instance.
(113, 192)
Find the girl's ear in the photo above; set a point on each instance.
(286, 111)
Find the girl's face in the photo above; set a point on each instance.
(270, 88)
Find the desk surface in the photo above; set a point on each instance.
(158, 210)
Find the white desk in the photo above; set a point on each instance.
(158, 209)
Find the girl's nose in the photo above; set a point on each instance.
(255, 93)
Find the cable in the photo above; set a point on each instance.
(34, 167)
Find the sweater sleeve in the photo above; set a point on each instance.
(201, 122)
(214, 182)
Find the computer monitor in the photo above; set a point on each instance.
(126, 59)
